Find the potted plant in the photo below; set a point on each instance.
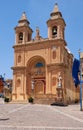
(6, 99)
(30, 99)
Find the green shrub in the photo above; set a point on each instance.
(76, 101)
(6, 99)
(30, 99)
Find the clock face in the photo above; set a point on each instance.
(54, 31)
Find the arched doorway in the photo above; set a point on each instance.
(36, 76)
(39, 87)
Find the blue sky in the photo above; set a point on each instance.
(38, 12)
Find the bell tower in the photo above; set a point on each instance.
(23, 31)
(56, 24)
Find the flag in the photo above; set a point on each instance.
(75, 71)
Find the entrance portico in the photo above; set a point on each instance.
(36, 76)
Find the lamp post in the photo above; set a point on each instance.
(80, 82)
(4, 76)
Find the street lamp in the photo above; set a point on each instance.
(80, 81)
(4, 76)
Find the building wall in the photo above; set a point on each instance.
(52, 53)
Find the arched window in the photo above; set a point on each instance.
(39, 64)
(20, 37)
(54, 31)
(54, 81)
(54, 54)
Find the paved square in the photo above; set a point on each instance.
(40, 117)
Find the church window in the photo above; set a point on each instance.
(39, 64)
(54, 81)
(54, 54)
(54, 31)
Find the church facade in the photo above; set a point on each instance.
(42, 66)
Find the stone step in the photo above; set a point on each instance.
(19, 102)
(1, 100)
(43, 101)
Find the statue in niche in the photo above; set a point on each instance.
(32, 83)
(59, 85)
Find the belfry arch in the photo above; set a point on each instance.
(36, 76)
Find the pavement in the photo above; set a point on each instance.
(40, 117)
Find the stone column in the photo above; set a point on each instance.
(49, 32)
(16, 38)
(60, 32)
(23, 37)
(14, 94)
(50, 85)
(13, 89)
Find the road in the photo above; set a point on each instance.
(40, 117)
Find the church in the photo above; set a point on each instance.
(43, 66)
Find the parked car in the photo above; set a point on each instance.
(1, 95)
